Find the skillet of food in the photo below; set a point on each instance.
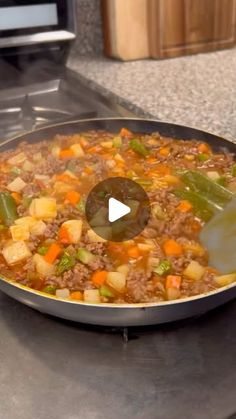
(53, 260)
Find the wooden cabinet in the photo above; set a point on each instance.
(167, 28)
(126, 32)
(179, 27)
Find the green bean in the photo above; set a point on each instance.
(42, 250)
(138, 147)
(209, 189)
(65, 263)
(104, 291)
(8, 213)
(203, 157)
(163, 268)
(203, 208)
(50, 289)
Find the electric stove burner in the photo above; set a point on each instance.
(28, 105)
(27, 117)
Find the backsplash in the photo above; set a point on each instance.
(89, 28)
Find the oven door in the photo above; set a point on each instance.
(25, 23)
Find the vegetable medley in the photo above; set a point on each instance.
(46, 243)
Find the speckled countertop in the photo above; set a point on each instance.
(199, 90)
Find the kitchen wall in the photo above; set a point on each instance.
(89, 28)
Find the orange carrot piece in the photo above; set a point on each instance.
(99, 278)
(124, 132)
(204, 148)
(212, 270)
(164, 151)
(63, 177)
(195, 226)
(173, 281)
(184, 206)
(64, 235)
(171, 247)
(73, 197)
(17, 197)
(83, 142)
(88, 170)
(151, 160)
(66, 153)
(133, 252)
(76, 295)
(94, 149)
(52, 253)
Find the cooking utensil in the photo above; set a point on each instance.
(219, 237)
(119, 314)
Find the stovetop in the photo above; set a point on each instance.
(42, 96)
(57, 369)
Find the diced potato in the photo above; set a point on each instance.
(213, 175)
(17, 159)
(119, 158)
(194, 271)
(16, 185)
(223, 280)
(37, 156)
(110, 164)
(195, 248)
(107, 144)
(26, 221)
(171, 179)
(116, 280)
(43, 208)
(92, 296)
(16, 252)
(153, 262)
(189, 157)
(28, 166)
(145, 247)
(124, 269)
(95, 238)
(129, 242)
(77, 150)
(38, 228)
(63, 293)
(62, 187)
(56, 151)
(69, 173)
(45, 179)
(42, 266)
(74, 229)
(20, 232)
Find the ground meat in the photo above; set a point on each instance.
(31, 190)
(96, 248)
(34, 242)
(74, 279)
(100, 263)
(50, 166)
(137, 281)
(143, 284)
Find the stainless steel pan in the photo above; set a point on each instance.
(120, 315)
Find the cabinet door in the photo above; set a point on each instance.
(179, 27)
(125, 24)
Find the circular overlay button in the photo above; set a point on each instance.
(117, 209)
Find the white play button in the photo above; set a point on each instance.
(117, 210)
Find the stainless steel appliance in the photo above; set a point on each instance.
(36, 88)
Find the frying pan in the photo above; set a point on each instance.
(120, 314)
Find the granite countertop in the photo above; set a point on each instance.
(197, 90)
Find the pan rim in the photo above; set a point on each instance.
(115, 118)
(114, 305)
